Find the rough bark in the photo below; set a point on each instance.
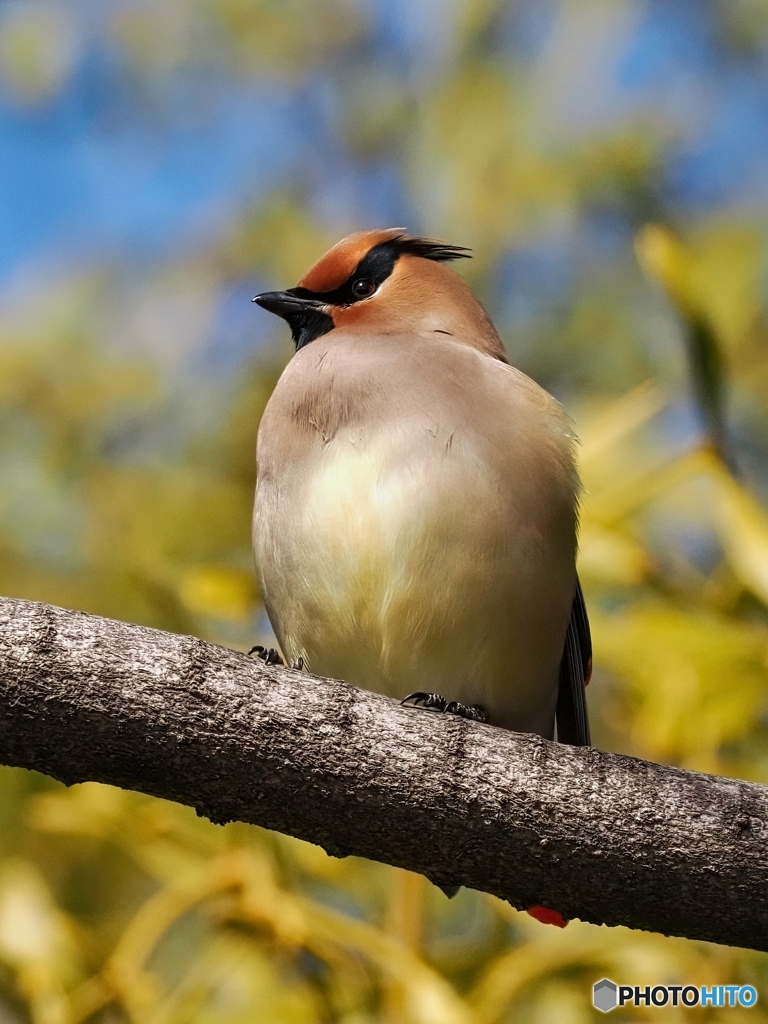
(597, 836)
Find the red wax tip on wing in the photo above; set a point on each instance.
(547, 916)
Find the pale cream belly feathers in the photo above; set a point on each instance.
(405, 543)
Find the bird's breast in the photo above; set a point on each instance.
(361, 537)
(414, 525)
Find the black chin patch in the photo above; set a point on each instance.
(307, 325)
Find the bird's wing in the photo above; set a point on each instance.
(575, 670)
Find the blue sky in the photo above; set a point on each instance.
(90, 169)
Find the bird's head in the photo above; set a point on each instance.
(385, 282)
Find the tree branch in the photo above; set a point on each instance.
(598, 836)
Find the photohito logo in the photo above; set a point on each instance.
(607, 995)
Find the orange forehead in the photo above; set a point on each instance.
(338, 263)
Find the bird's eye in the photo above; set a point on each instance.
(363, 287)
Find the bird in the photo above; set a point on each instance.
(415, 518)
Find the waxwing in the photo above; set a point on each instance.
(415, 517)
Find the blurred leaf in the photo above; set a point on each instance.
(714, 279)
(666, 258)
(36, 941)
(38, 46)
(693, 681)
(219, 590)
(605, 430)
(610, 557)
(290, 35)
(743, 526)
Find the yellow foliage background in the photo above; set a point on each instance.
(127, 489)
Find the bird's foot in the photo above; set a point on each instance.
(270, 656)
(267, 654)
(425, 701)
(436, 702)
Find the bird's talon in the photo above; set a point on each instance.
(425, 701)
(268, 655)
(474, 712)
(436, 702)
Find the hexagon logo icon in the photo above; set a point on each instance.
(604, 995)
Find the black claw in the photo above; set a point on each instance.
(474, 712)
(436, 702)
(298, 664)
(425, 701)
(267, 654)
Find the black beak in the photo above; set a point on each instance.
(307, 317)
(285, 304)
